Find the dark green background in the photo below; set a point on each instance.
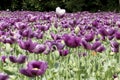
(69, 5)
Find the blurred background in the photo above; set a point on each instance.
(69, 5)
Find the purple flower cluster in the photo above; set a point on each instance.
(46, 32)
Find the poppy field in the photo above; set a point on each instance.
(59, 46)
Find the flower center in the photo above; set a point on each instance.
(35, 69)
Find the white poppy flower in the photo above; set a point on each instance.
(60, 12)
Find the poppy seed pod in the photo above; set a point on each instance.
(77, 29)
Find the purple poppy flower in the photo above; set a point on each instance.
(47, 51)
(63, 52)
(103, 32)
(72, 23)
(31, 18)
(55, 36)
(65, 25)
(95, 45)
(3, 76)
(38, 35)
(100, 49)
(53, 45)
(3, 58)
(4, 25)
(117, 35)
(89, 37)
(13, 20)
(46, 17)
(35, 68)
(71, 40)
(85, 44)
(13, 59)
(111, 31)
(56, 25)
(27, 33)
(114, 44)
(39, 48)
(48, 45)
(95, 23)
(110, 37)
(27, 45)
(59, 45)
(21, 59)
(20, 25)
(43, 27)
(115, 49)
(10, 40)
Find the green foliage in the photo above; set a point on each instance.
(69, 5)
(74, 5)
